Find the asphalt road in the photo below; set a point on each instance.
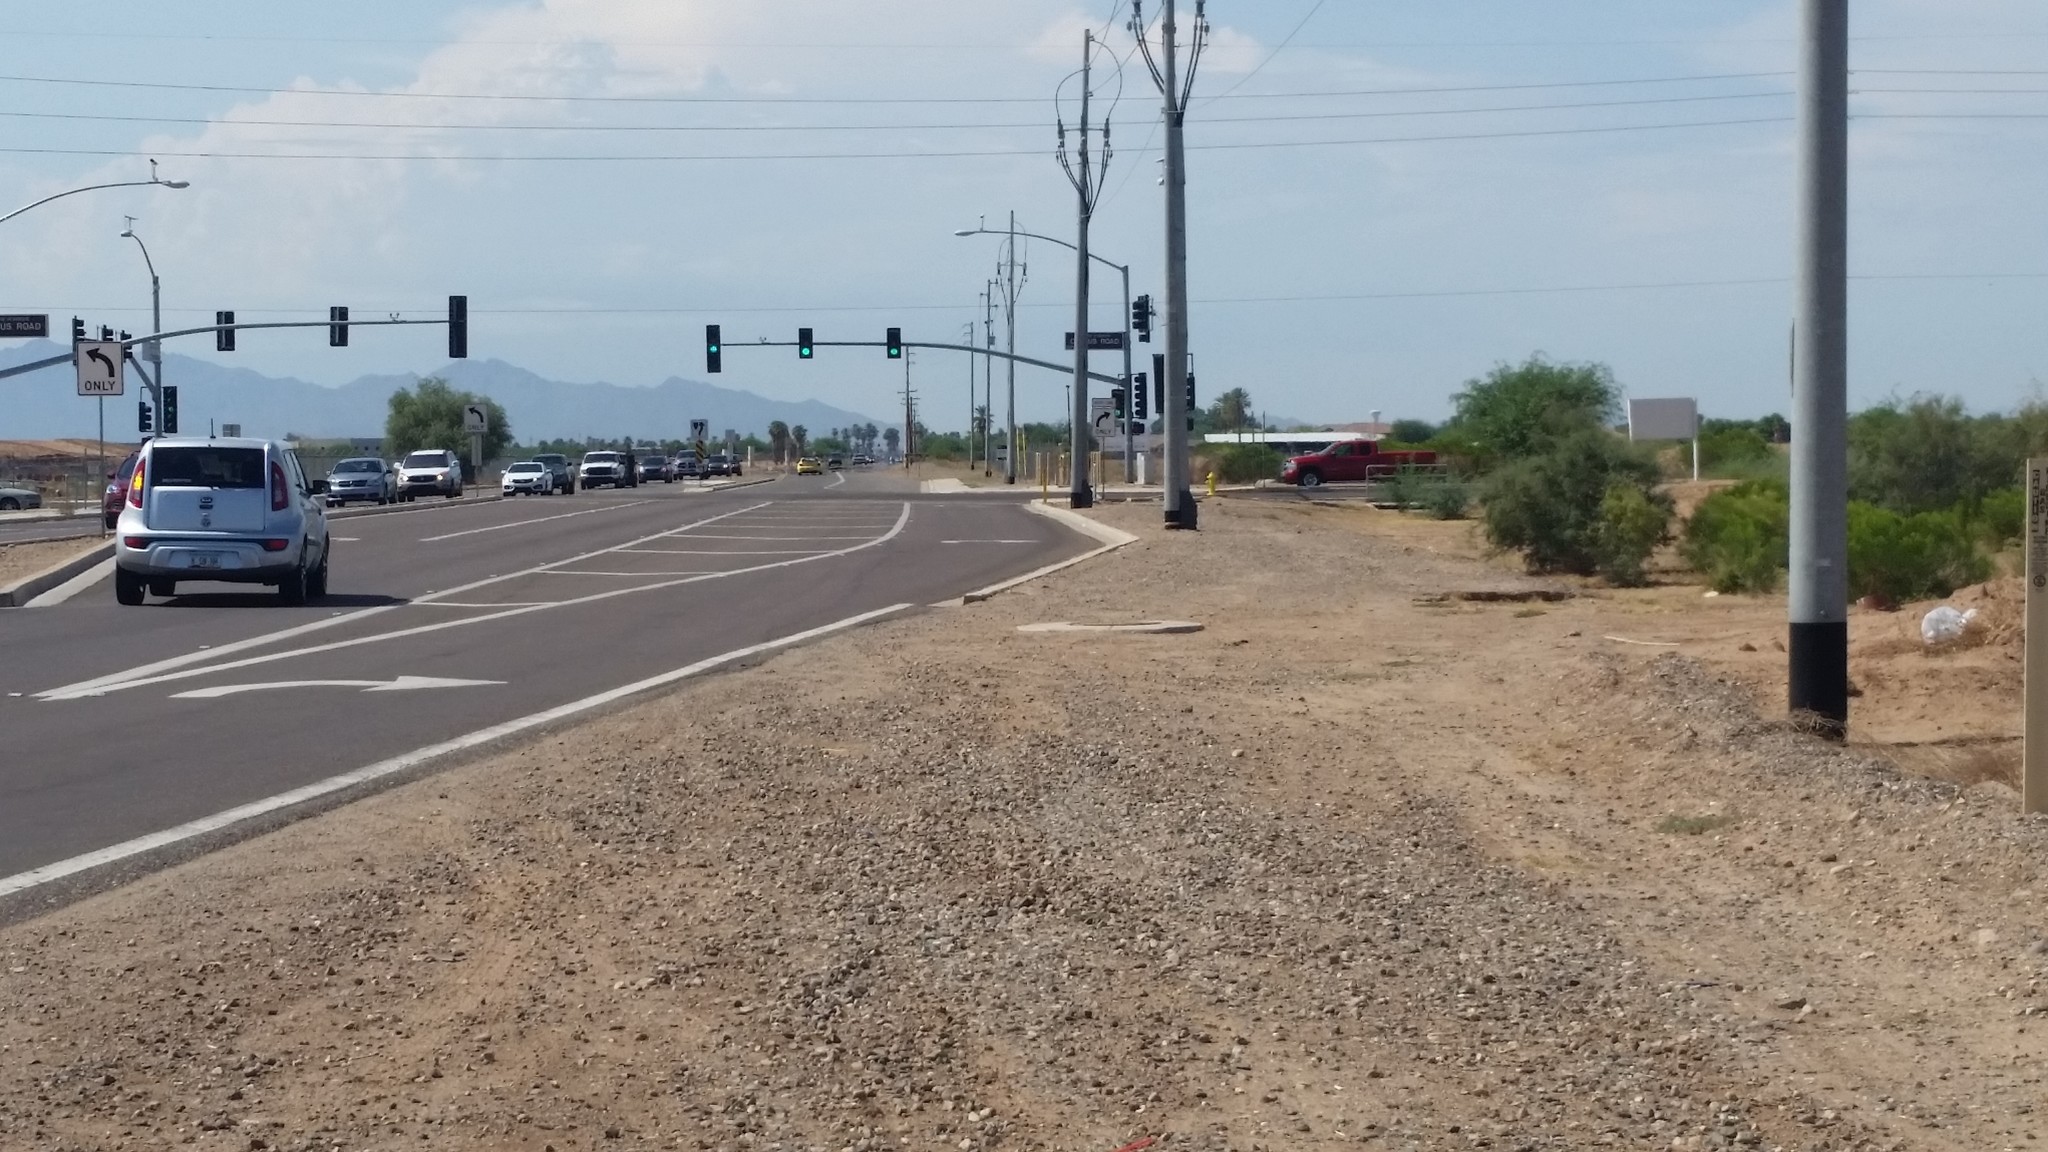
(25, 529)
(120, 723)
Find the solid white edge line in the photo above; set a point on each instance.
(101, 689)
(74, 586)
(535, 520)
(36, 877)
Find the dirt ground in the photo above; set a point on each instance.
(1364, 862)
(20, 561)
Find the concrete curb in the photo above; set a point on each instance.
(1111, 538)
(26, 590)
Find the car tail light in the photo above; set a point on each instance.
(279, 500)
(275, 545)
(135, 487)
(136, 542)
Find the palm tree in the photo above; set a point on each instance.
(778, 439)
(802, 436)
(892, 438)
(1232, 410)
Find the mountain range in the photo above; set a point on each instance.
(45, 404)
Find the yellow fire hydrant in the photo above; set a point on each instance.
(1212, 483)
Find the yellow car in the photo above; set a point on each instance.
(810, 466)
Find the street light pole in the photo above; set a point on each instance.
(988, 378)
(1010, 322)
(154, 350)
(1081, 493)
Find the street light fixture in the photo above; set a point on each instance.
(1122, 269)
(154, 179)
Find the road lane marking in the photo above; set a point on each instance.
(535, 520)
(988, 541)
(110, 684)
(36, 877)
(838, 478)
(724, 551)
(766, 539)
(402, 684)
(90, 687)
(581, 572)
(485, 604)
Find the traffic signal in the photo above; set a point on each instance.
(170, 409)
(714, 351)
(77, 330)
(224, 337)
(803, 343)
(1159, 384)
(458, 327)
(337, 327)
(142, 421)
(1141, 318)
(1116, 404)
(1138, 397)
(895, 343)
(107, 333)
(1190, 398)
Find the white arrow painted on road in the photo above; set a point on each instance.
(402, 684)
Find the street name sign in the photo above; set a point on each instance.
(25, 325)
(1100, 341)
(99, 367)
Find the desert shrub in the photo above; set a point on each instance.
(1898, 558)
(1633, 521)
(2002, 517)
(1447, 499)
(1244, 463)
(1554, 507)
(1738, 446)
(1521, 410)
(1738, 538)
(1412, 431)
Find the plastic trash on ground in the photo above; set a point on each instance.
(1945, 625)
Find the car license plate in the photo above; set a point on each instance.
(205, 559)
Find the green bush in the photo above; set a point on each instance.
(1633, 521)
(1244, 463)
(1738, 447)
(1555, 507)
(1448, 499)
(1898, 558)
(2002, 517)
(1738, 538)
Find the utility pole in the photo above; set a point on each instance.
(1087, 189)
(1175, 89)
(1010, 286)
(969, 339)
(909, 414)
(1817, 648)
(988, 375)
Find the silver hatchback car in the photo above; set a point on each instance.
(240, 511)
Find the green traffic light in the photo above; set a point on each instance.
(713, 349)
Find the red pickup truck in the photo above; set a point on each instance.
(1352, 460)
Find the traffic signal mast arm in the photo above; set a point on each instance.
(132, 341)
(1064, 369)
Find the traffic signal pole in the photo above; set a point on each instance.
(1175, 89)
(130, 342)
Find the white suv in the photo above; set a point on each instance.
(434, 471)
(240, 511)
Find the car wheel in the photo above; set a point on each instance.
(316, 584)
(292, 589)
(1311, 480)
(109, 522)
(163, 588)
(128, 587)
(9, 504)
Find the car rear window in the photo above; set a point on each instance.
(206, 467)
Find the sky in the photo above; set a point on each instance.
(1386, 198)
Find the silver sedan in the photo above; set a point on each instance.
(19, 499)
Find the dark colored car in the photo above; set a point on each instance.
(565, 472)
(835, 463)
(654, 468)
(117, 490)
(722, 464)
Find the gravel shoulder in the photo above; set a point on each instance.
(1359, 864)
(18, 562)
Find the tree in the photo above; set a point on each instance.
(778, 439)
(892, 438)
(1231, 411)
(1412, 432)
(430, 415)
(801, 437)
(1520, 410)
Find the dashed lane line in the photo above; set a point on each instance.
(535, 520)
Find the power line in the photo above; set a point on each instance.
(812, 156)
(583, 99)
(1288, 39)
(1035, 125)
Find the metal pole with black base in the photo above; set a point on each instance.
(1817, 604)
